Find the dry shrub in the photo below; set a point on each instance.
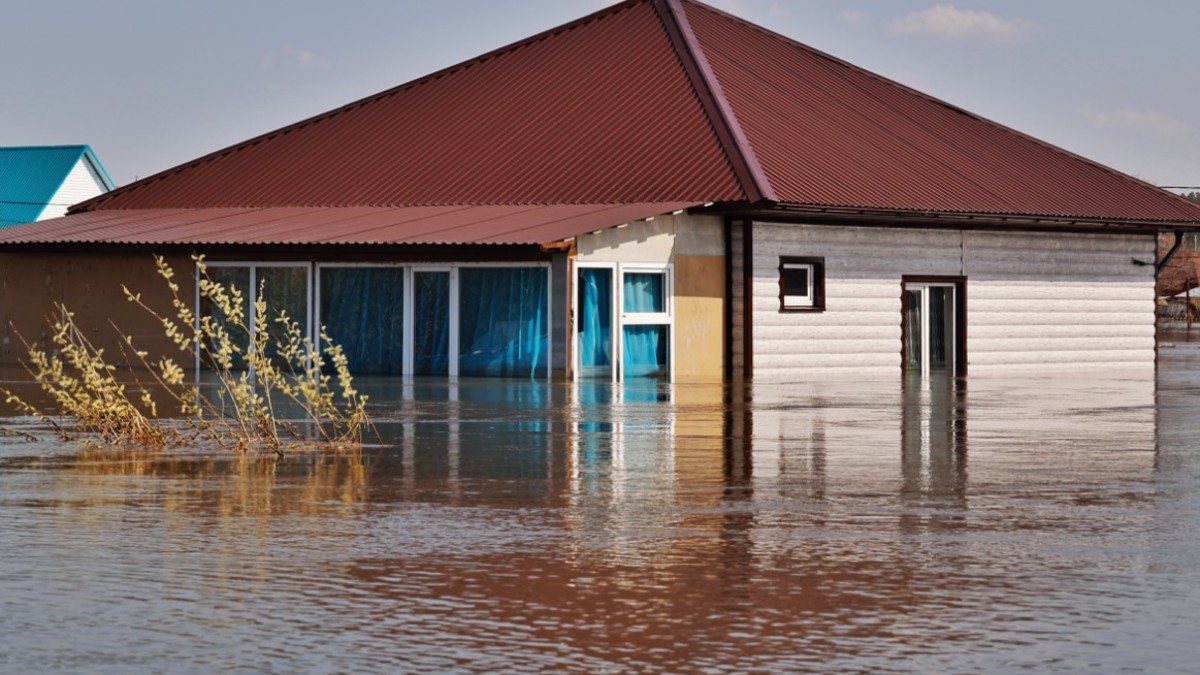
(241, 414)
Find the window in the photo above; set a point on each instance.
(646, 322)
(284, 287)
(801, 284)
(469, 319)
(623, 321)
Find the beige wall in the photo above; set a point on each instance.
(89, 284)
(695, 247)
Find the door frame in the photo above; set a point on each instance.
(960, 317)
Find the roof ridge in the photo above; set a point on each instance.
(64, 146)
(387, 93)
(746, 167)
(1145, 185)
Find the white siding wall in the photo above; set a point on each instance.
(1057, 300)
(1034, 300)
(82, 183)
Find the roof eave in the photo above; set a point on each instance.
(865, 216)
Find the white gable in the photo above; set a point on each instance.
(82, 183)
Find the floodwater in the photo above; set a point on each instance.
(1042, 524)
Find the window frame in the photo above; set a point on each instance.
(253, 265)
(815, 302)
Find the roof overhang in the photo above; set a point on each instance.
(333, 226)
(867, 217)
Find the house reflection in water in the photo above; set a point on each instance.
(586, 526)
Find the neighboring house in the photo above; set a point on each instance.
(658, 189)
(40, 182)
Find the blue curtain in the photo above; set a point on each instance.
(595, 322)
(646, 351)
(644, 292)
(431, 323)
(502, 324)
(362, 309)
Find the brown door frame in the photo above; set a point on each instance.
(960, 316)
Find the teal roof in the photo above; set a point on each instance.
(31, 175)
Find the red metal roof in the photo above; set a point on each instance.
(829, 133)
(643, 104)
(597, 111)
(336, 225)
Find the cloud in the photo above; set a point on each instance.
(1142, 121)
(290, 56)
(947, 21)
(854, 17)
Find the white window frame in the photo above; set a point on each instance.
(801, 301)
(253, 265)
(453, 334)
(613, 323)
(621, 318)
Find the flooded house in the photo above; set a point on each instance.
(657, 190)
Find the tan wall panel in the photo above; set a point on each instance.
(89, 285)
(699, 317)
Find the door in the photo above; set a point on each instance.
(933, 328)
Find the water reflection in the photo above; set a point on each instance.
(903, 525)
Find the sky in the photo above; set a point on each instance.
(150, 84)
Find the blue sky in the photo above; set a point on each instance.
(153, 83)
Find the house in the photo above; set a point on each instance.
(40, 182)
(659, 189)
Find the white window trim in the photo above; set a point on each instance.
(614, 319)
(801, 301)
(453, 334)
(253, 265)
(621, 318)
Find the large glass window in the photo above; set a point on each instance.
(443, 321)
(362, 309)
(285, 291)
(502, 314)
(431, 323)
(634, 342)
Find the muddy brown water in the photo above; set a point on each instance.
(1035, 524)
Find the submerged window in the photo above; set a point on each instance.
(444, 321)
(503, 321)
(801, 284)
(362, 309)
(646, 322)
(285, 291)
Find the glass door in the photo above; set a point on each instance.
(594, 309)
(931, 328)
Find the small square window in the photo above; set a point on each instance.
(801, 284)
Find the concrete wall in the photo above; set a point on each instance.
(1034, 300)
(89, 284)
(694, 246)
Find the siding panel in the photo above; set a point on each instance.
(1035, 300)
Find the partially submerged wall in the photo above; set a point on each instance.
(694, 247)
(89, 284)
(1034, 300)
